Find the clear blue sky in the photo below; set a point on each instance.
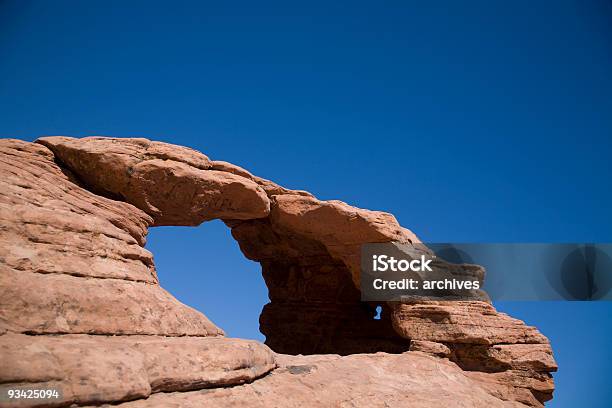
(484, 121)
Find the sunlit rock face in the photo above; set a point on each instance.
(81, 307)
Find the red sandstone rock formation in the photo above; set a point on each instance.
(81, 307)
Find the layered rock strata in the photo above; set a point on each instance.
(81, 306)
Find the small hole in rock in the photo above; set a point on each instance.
(378, 312)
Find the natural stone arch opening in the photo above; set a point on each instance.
(204, 268)
(311, 305)
(308, 249)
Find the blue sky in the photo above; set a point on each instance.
(471, 121)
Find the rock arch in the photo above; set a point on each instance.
(77, 211)
(308, 249)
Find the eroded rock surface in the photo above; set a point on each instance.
(98, 369)
(516, 358)
(173, 184)
(81, 307)
(360, 380)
